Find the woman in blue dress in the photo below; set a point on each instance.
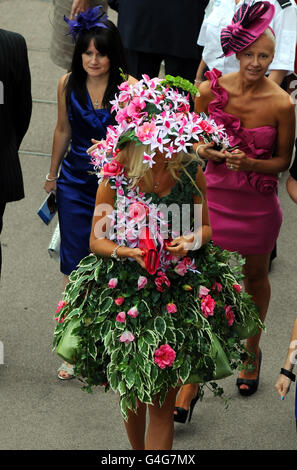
(83, 114)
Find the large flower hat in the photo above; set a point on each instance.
(156, 112)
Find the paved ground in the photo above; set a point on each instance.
(40, 412)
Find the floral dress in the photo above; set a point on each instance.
(141, 334)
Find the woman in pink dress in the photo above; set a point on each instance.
(259, 119)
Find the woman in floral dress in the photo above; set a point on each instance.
(157, 305)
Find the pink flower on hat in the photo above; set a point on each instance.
(164, 356)
(146, 131)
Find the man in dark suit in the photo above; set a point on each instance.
(15, 114)
(156, 30)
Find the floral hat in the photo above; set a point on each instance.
(248, 23)
(156, 112)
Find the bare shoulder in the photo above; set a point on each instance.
(204, 89)
(63, 82)
(282, 100)
(204, 97)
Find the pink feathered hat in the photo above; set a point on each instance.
(248, 23)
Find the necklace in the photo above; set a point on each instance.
(95, 101)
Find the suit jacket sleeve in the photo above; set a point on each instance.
(23, 98)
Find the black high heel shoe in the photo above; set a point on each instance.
(251, 383)
(181, 415)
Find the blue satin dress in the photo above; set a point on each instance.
(76, 187)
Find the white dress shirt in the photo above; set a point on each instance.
(284, 25)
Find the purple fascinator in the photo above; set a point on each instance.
(248, 23)
(91, 18)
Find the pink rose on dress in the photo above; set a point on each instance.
(113, 283)
(171, 308)
(263, 183)
(127, 337)
(207, 306)
(203, 291)
(237, 287)
(137, 211)
(133, 312)
(61, 304)
(162, 281)
(60, 320)
(181, 268)
(142, 282)
(112, 168)
(119, 301)
(121, 317)
(229, 315)
(164, 356)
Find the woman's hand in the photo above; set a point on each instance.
(180, 246)
(283, 385)
(207, 152)
(134, 253)
(237, 160)
(50, 186)
(77, 7)
(91, 149)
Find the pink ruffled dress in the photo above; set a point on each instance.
(244, 209)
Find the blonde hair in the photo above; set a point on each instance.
(132, 158)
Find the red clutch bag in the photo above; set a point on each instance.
(152, 250)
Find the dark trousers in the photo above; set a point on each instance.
(2, 208)
(140, 63)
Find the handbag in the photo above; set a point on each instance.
(222, 366)
(54, 245)
(247, 330)
(67, 346)
(152, 250)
